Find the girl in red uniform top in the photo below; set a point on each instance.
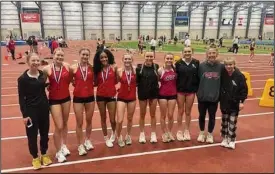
(106, 79)
(59, 77)
(167, 96)
(126, 98)
(83, 79)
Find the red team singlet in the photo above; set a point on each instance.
(84, 82)
(128, 85)
(59, 84)
(168, 83)
(106, 83)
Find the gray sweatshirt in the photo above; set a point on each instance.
(210, 79)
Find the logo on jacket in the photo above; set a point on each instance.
(234, 83)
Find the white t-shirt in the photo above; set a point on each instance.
(187, 42)
(153, 43)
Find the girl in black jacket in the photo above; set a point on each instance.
(34, 107)
(148, 90)
(233, 94)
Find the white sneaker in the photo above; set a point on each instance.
(65, 150)
(231, 145)
(209, 138)
(165, 138)
(88, 145)
(201, 137)
(153, 137)
(142, 137)
(60, 157)
(171, 137)
(113, 137)
(128, 140)
(120, 141)
(186, 136)
(81, 150)
(180, 136)
(108, 142)
(224, 142)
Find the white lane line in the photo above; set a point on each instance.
(109, 128)
(8, 118)
(137, 154)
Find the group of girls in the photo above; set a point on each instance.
(167, 85)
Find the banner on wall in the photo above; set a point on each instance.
(269, 21)
(30, 17)
(240, 21)
(227, 22)
(211, 21)
(182, 21)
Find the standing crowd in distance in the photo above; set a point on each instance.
(170, 84)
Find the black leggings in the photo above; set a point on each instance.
(41, 122)
(211, 107)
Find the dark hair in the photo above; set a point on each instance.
(97, 62)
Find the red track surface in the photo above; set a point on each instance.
(255, 130)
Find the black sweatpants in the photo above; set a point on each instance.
(12, 54)
(235, 48)
(41, 123)
(211, 107)
(229, 125)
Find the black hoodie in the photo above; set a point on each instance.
(233, 90)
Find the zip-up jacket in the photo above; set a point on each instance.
(187, 76)
(31, 92)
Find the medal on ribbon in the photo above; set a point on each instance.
(57, 79)
(128, 77)
(84, 76)
(106, 76)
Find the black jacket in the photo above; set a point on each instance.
(31, 92)
(187, 76)
(147, 81)
(233, 90)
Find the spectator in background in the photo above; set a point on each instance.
(252, 49)
(220, 42)
(60, 41)
(175, 40)
(11, 48)
(35, 45)
(54, 45)
(236, 45)
(153, 44)
(187, 42)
